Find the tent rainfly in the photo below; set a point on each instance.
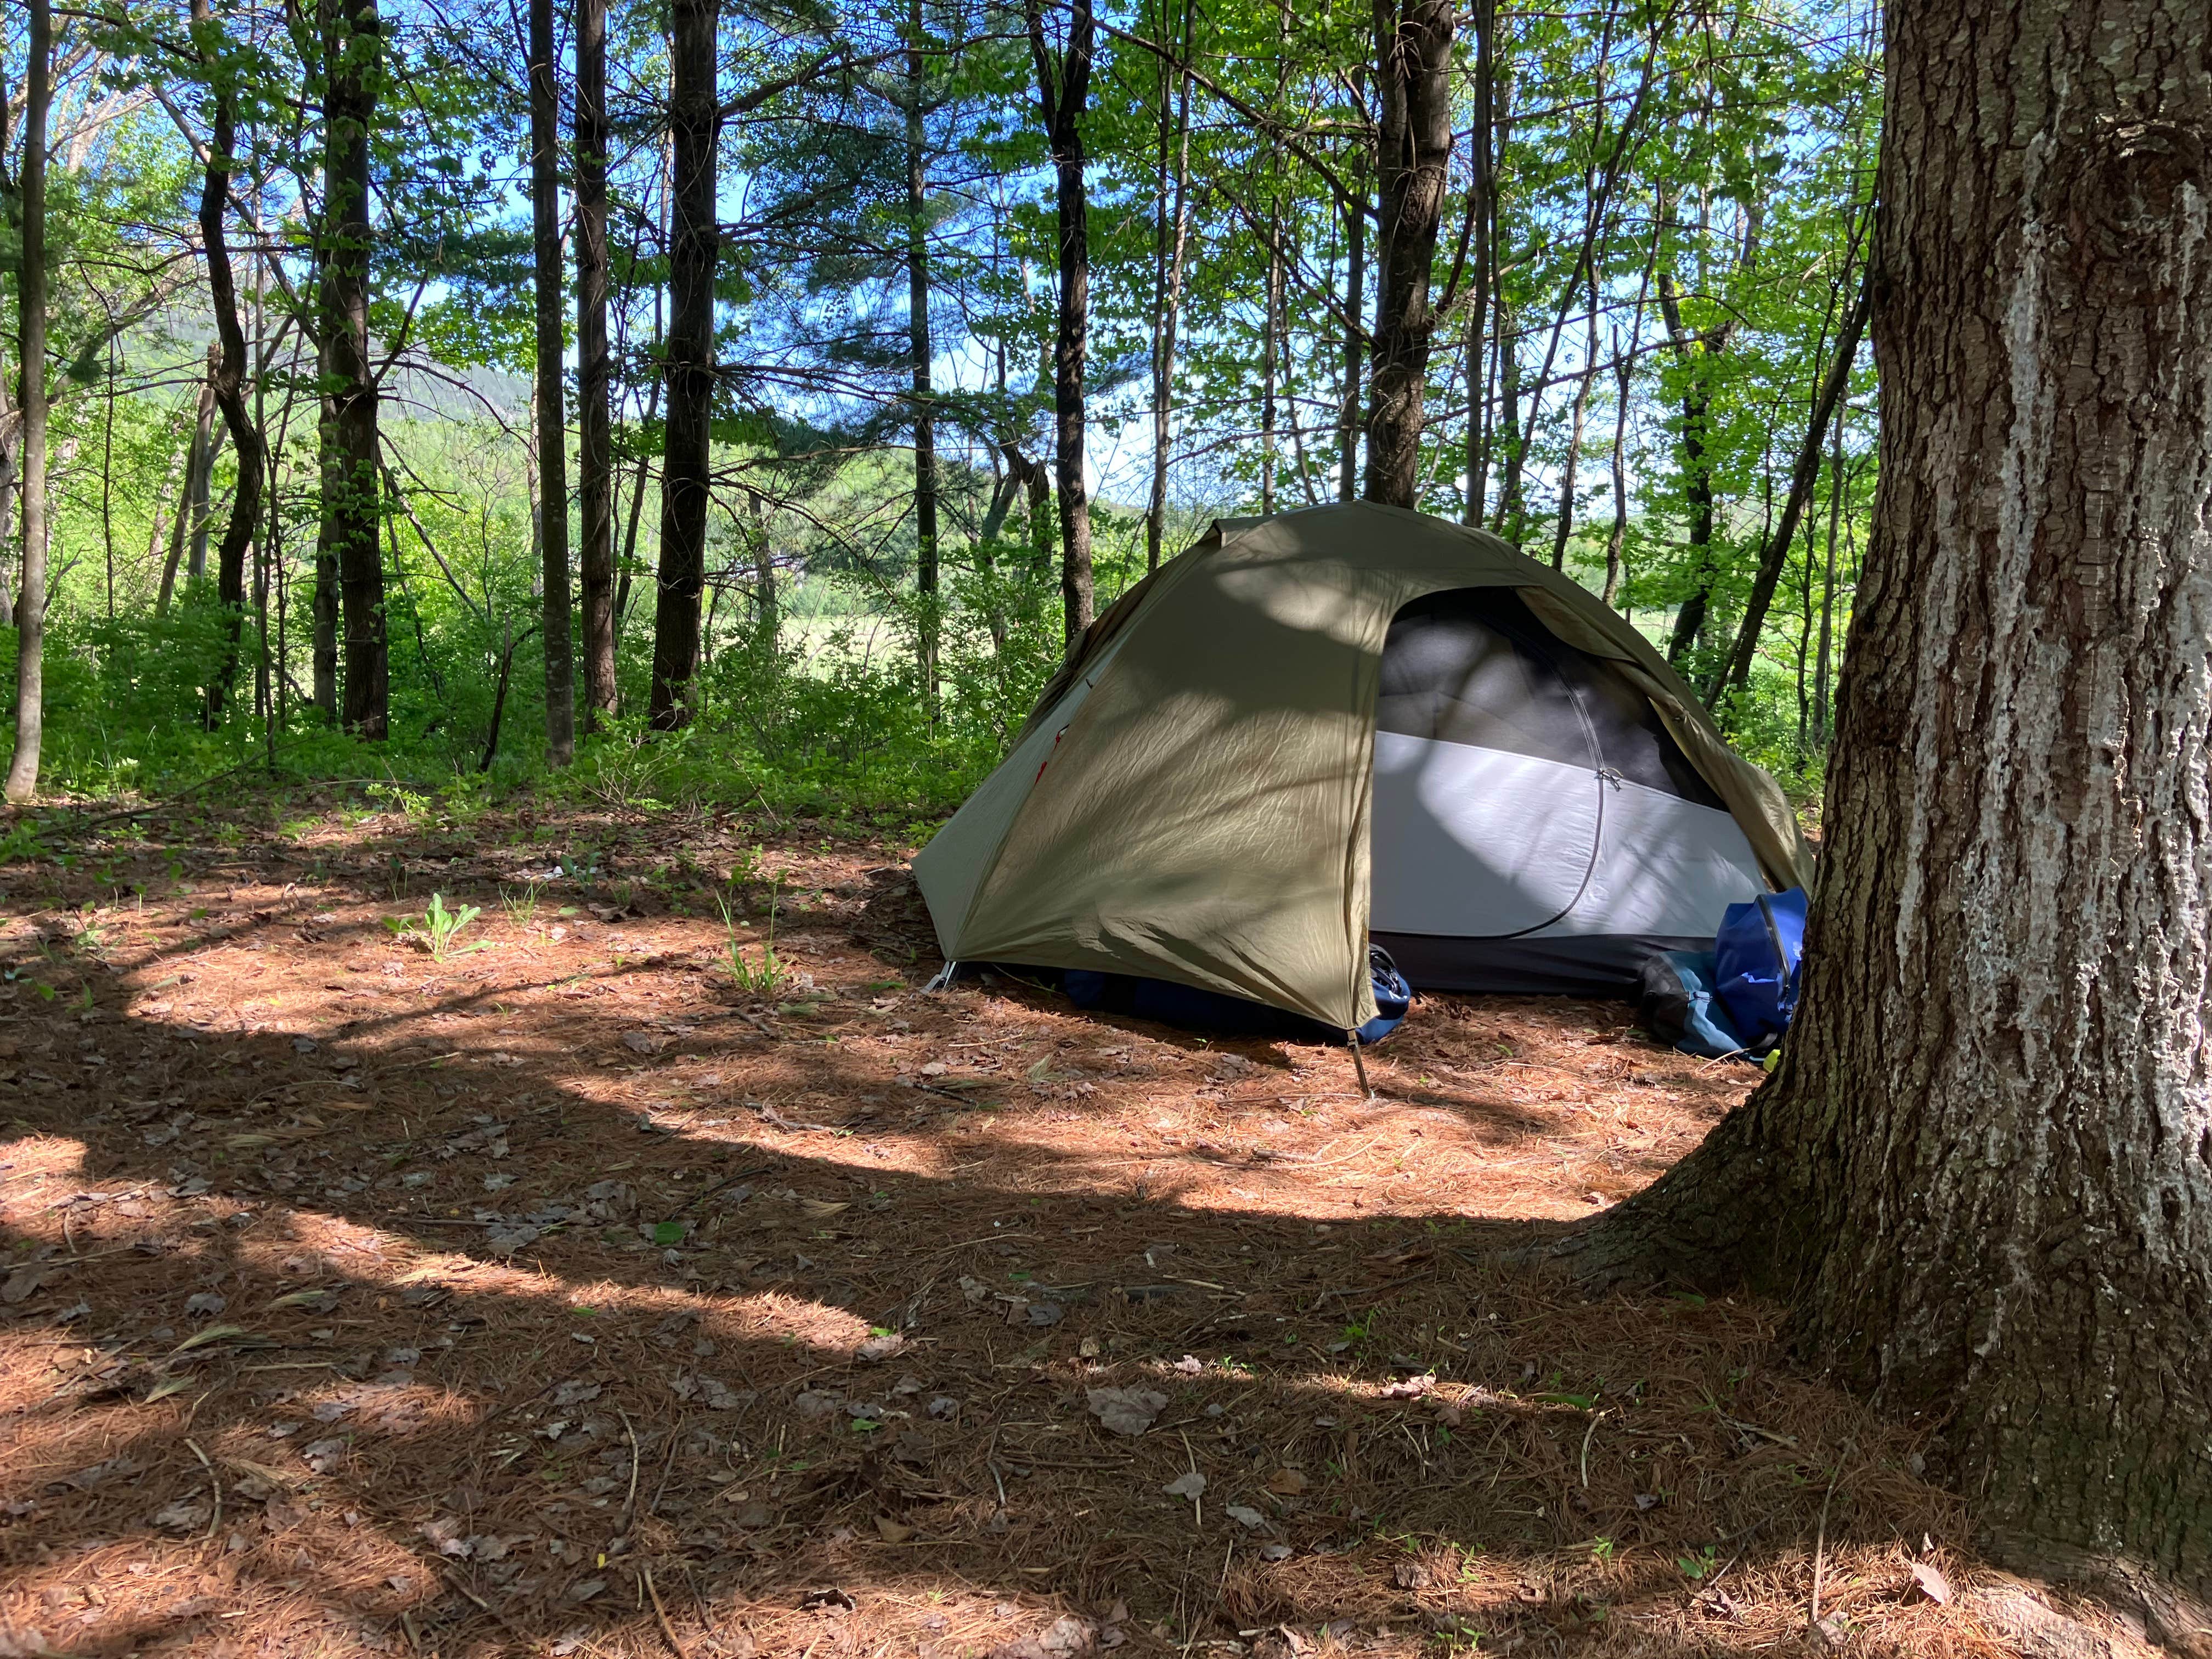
(1350, 721)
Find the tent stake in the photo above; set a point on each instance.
(1359, 1064)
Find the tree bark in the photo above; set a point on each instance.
(192, 491)
(1564, 529)
(1349, 419)
(694, 121)
(1482, 207)
(353, 63)
(1413, 136)
(1171, 223)
(919, 389)
(227, 373)
(31, 361)
(1270, 360)
(1063, 88)
(551, 400)
(595, 474)
(1985, 1165)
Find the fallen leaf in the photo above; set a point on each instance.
(1244, 1516)
(24, 1281)
(894, 1532)
(1287, 1483)
(212, 1333)
(1192, 1484)
(1127, 1411)
(1933, 1584)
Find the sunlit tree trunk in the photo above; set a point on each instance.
(551, 400)
(694, 119)
(353, 64)
(1170, 225)
(1063, 88)
(227, 373)
(1984, 1171)
(1412, 149)
(31, 399)
(595, 475)
(918, 347)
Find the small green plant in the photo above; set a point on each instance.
(438, 930)
(1700, 1565)
(521, 908)
(760, 979)
(1601, 1549)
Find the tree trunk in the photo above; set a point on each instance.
(1270, 360)
(1564, 529)
(919, 389)
(1348, 415)
(353, 61)
(1171, 224)
(694, 121)
(31, 359)
(1063, 88)
(1803, 476)
(1412, 85)
(227, 373)
(1820, 663)
(552, 411)
(1511, 509)
(1482, 190)
(1984, 1166)
(595, 474)
(191, 499)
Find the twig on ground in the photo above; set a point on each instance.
(214, 1520)
(661, 1614)
(1820, 1559)
(630, 1504)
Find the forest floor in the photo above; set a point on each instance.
(572, 1295)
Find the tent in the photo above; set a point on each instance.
(1354, 720)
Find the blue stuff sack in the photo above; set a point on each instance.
(1676, 1004)
(1394, 997)
(1755, 961)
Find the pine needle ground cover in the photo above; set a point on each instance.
(564, 1290)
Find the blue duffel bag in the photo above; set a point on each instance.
(1755, 963)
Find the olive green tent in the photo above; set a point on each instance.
(1194, 796)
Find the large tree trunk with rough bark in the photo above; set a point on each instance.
(353, 63)
(1984, 1167)
(595, 472)
(1413, 151)
(694, 121)
(1063, 88)
(552, 409)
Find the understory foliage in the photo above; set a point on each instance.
(1654, 229)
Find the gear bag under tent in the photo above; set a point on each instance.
(1349, 722)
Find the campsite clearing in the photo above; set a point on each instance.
(584, 1294)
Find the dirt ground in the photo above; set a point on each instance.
(580, 1293)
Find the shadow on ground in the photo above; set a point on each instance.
(569, 1299)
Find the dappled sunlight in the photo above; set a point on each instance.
(565, 1293)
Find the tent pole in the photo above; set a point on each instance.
(1360, 1064)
